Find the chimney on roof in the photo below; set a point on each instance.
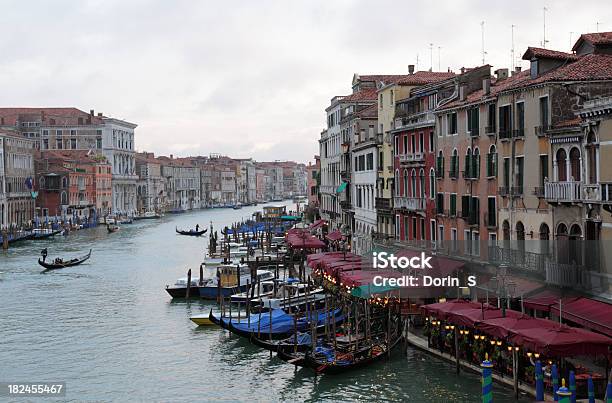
(99, 114)
(501, 74)
(462, 70)
(486, 86)
(411, 69)
(91, 112)
(171, 156)
(462, 92)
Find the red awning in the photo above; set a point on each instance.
(324, 256)
(334, 235)
(442, 309)
(471, 316)
(441, 266)
(563, 341)
(364, 277)
(586, 312)
(301, 240)
(501, 328)
(316, 224)
(542, 300)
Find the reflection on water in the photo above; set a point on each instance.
(111, 332)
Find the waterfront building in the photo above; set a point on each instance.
(73, 129)
(182, 183)
(151, 184)
(16, 180)
(466, 161)
(329, 150)
(313, 172)
(414, 146)
(74, 185)
(359, 172)
(389, 93)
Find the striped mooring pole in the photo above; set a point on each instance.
(555, 381)
(539, 381)
(487, 380)
(563, 394)
(572, 386)
(591, 389)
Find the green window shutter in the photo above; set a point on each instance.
(476, 168)
(465, 206)
(466, 166)
(495, 164)
(453, 205)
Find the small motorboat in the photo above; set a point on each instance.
(59, 263)
(148, 215)
(191, 232)
(112, 228)
(126, 220)
(237, 206)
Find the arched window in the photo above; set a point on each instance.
(476, 163)
(561, 165)
(64, 198)
(506, 230)
(575, 164)
(422, 183)
(405, 190)
(432, 183)
(520, 231)
(467, 169)
(591, 151)
(413, 184)
(544, 238)
(575, 245)
(64, 182)
(396, 185)
(544, 232)
(561, 231)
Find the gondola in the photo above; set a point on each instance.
(190, 232)
(326, 360)
(56, 264)
(304, 342)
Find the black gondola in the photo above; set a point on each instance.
(342, 362)
(60, 264)
(190, 232)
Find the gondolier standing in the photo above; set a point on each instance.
(44, 253)
(197, 227)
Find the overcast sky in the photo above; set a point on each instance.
(251, 79)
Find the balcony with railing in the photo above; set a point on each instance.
(416, 120)
(382, 203)
(409, 203)
(568, 191)
(411, 157)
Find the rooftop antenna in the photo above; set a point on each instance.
(439, 64)
(512, 50)
(417, 63)
(571, 34)
(544, 41)
(431, 56)
(597, 28)
(482, 23)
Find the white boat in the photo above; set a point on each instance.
(262, 289)
(292, 294)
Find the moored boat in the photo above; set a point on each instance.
(43, 233)
(148, 215)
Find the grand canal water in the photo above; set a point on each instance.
(112, 333)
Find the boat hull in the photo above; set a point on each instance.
(203, 292)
